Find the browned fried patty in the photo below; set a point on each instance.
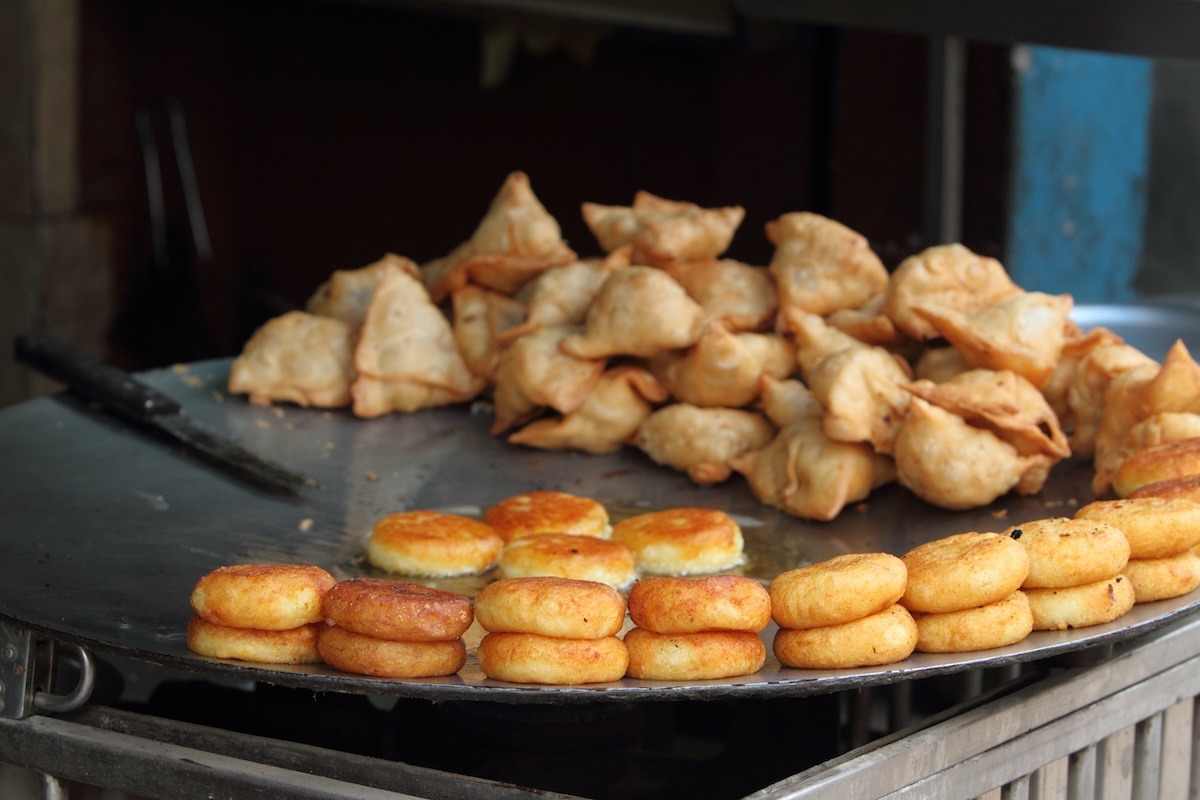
(536, 512)
(531, 658)
(385, 658)
(963, 571)
(553, 607)
(691, 605)
(262, 596)
(884, 637)
(682, 541)
(837, 590)
(432, 544)
(395, 609)
(292, 646)
(698, 656)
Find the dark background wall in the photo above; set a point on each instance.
(325, 134)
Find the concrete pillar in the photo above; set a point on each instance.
(54, 269)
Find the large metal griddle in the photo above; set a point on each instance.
(104, 531)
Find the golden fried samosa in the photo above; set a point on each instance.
(702, 441)
(949, 277)
(406, 356)
(869, 324)
(939, 364)
(298, 357)
(862, 391)
(563, 295)
(821, 266)
(805, 473)
(741, 296)
(1004, 403)
(347, 292)
(945, 461)
(1077, 345)
(606, 421)
(662, 231)
(515, 241)
(1137, 395)
(860, 386)
(481, 320)
(816, 340)
(724, 368)
(640, 311)
(533, 374)
(785, 401)
(1085, 395)
(1024, 333)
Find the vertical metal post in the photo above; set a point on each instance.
(945, 137)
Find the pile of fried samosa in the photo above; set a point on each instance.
(817, 377)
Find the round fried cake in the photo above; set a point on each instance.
(999, 624)
(1070, 552)
(1159, 462)
(1164, 578)
(697, 656)
(682, 541)
(432, 544)
(962, 571)
(385, 658)
(290, 646)
(1156, 527)
(837, 590)
(568, 555)
(1068, 607)
(551, 607)
(398, 610)
(885, 637)
(530, 658)
(262, 596)
(690, 605)
(536, 512)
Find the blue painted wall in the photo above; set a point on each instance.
(1078, 203)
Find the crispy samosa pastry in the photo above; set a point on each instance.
(786, 401)
(406, 357)
(948, 277)
(740, 296)
(606, 421)
(640, 311)
(1024, 333)
(1077, 344)
(947, 462)
(816, 340)
(702, 441)
(1004, 403)
(939, 364)
(804, 472)
(1169, 395)
(860, 386)
(869, 324)
(1093, 372)
(563, 295)
(482, 318)
(862, 391)
(298, 357)
(347, 292)
(821, 266)
(724, 368)
(533, 374)
(515, 241)
(662, 231)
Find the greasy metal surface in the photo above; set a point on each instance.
(130, 399)
(104, 531)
